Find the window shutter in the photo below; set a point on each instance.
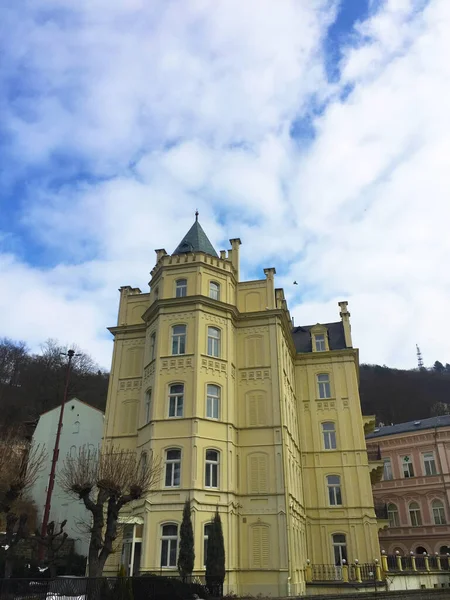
(260, 547)
(264, 547)
(252, 410)
(254, 474)
(261, 410)
(262, 473)
(256, 548)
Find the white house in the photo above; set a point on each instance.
(82, 425)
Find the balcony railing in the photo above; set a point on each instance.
(381, 510)
(373, 453)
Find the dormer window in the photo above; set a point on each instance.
(320, 342)
(319, 338)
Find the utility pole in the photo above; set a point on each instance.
(51, 481)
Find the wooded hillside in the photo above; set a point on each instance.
(31, 384)
(396, 395)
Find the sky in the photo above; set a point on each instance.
(317, 132)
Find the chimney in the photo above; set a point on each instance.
(233, 254)
(345, 316)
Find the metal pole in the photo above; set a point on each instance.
(51, 481)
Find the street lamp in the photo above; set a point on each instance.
(51, 483)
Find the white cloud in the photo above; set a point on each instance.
(184, 105)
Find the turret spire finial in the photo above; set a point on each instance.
(196, 215)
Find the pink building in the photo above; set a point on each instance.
(415, 485)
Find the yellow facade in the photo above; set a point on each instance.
(262, 423)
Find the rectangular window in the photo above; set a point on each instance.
(334, 490)
(212, 469)
(429, 463)
(181, 288)
(407, 466)
(324, 387)
(206, 534)
(153, 346)
(214, 290)
(387, 469)
(176, 398)
(320, 342)
(173, 468)
(414, 514)
(213, 401)
(148, 402)
(329, 436)
(179, 339)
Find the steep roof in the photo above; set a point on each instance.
(418, 425)
(195, 240)
(336, 337)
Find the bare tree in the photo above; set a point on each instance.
(53, 541)
(20, 463)
(106, 480)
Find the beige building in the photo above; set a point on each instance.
(248, 414)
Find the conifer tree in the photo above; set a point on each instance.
(186, 555)
(215, 558)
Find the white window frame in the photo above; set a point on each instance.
(213, 401)
(153, 346)
(438, 511)
(214, 290)
(170, 471)
(176, 401)
(407, 467)
(205, 540)
(214, 341)
(148, 405)
(181, 288)
(329, 435)
(171, 540)
(319, 342)
(429, 463)
(212, 469)
(339, 555)
(415, 514)
(334, 490)
(323, 386)
(393, 515)
(388, 474)
(178, 340)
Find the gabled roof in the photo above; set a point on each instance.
(195, 240)
(336, 337)
(417, 425)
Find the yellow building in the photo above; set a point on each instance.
(248, 414)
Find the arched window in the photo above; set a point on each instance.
(214, 290)
(169, 545)
(393, 517)
(420, 550)
(414, 514)
(206, 533)
(334, 490)
(76, 427)
(176, 400)
(329, 435)
(212, 469)
(214, 342)
(323, 385)
(173, 467)
(179, 339)
(180, 288)
(339, 548)
(73, 451)
(438, 512)
(212, 401)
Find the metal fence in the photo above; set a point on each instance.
(150, 587)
